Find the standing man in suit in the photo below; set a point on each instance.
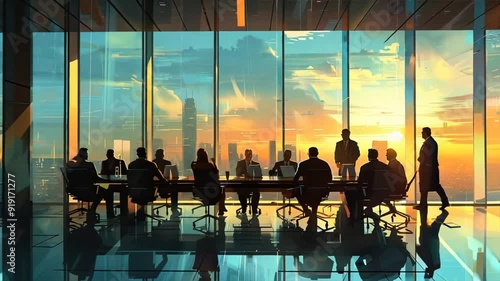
(346, 154)
(241, 171)
(159, 161)
(428, 171)
(109, 165)
(287, 155)
(308, 171)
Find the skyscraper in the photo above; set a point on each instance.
(272, 153)
(188, 133)
(232, 152)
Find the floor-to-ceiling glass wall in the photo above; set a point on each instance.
(444, 103)
(48, 116)
(377, 93)
(111, 77)
(313, 92)
(183, 96)
(493, 114)
(250, 93)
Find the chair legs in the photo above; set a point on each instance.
(208, 217)
(290, 207)
(239, 210)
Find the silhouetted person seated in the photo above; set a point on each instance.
(308, 171)
(142, 163)
(367, 176)
(161, 163)
(206, 180)
(276, 170)
(82, 246)
(80, 161)
(428, 250)
(112, 166)
(242, 171)
(399, 180)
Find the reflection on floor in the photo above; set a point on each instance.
(460, 245)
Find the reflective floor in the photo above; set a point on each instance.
(463, 244)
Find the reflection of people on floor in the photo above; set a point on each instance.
(206, 260)
(81, 253)
(314, 265)
(141, 265)
(428, 250)
(381, 257)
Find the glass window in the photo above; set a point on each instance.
(493, 114)
(183, 110)
(444, 103)
(313, 93)
(377, 93)
(48, 116)
(111, 94)
(250, 96)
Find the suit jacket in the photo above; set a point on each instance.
(106, 170)
(277, 167)
(80, 163)
(429, 166)
(312, 164)
(241, 167)
(161, 163)
(347, 155)
(399, 179)
(367, 174)
(141, 163)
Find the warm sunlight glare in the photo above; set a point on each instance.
(395, 136)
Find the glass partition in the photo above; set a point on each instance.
(444, 103)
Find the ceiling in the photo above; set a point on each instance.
(263, 15)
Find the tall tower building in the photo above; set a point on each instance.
(272, 153)
(188, 133)
(232, 152)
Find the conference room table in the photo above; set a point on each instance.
(230, 184)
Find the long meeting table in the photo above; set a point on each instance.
(231, 184)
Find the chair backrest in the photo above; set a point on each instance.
(380, 186)
(140, 179)
(79, 183)
(317, 179)
(140, 185)
(389, 184)
(207, 187)
(65, 177)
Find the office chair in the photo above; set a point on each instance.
(165, 194)
(80, 185)
(141, 189)
(397, 195)
(316, 190)
(290, 206)
(380, 192)
(208, 191)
